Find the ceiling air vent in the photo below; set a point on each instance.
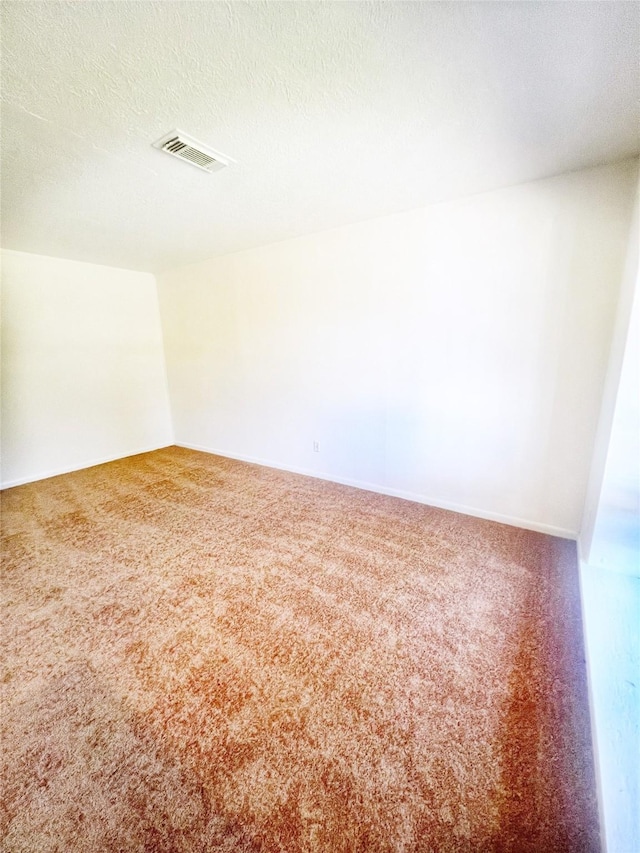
(189, 149)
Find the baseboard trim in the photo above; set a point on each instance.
(21, 481)
(582, 567)
(513, 521)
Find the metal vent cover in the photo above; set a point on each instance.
(186, 148)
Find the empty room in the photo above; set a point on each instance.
(320, 425)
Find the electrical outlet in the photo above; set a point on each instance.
(316, 447)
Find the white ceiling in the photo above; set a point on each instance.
(334, 112)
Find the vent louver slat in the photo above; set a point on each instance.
(191, 151)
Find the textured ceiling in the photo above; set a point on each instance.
(334, 112)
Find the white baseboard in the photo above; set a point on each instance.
(592, 712)
(514, 521)
(33, 478)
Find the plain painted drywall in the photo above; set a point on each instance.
(83, 375)
(454, 354)
(616, 538)
(610, 532)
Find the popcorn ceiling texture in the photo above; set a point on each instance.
(334, 112)
(201, 654)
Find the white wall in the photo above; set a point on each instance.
(609, 545)
(83, 376)
(454, 354)
(616, 538)
(610, 533)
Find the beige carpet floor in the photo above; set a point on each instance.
(205, 655)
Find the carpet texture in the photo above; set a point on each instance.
(205, 655)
